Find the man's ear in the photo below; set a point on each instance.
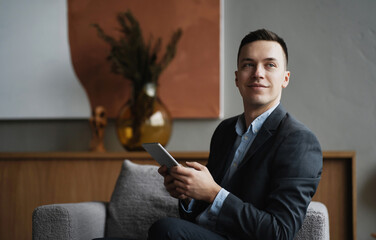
(286, 80)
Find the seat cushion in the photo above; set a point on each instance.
(138, 200)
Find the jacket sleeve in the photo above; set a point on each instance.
(297, 167)
(198, 207)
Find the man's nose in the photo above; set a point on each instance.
(259, 71)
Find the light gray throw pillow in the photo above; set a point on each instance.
(139, 199)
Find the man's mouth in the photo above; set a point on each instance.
(257, 85)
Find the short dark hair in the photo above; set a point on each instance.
(263, 34)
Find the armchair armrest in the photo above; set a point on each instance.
(84, 220)
(316, 223)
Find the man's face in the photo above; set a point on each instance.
(261, 74)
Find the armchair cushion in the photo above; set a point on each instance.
(316, 223)
(139, 199)
(84, 220)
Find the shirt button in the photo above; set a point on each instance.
(245, 138)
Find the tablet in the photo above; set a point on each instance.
(160, 154)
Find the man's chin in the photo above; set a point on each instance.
(261, 103)
(257, 102)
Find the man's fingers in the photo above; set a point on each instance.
(186, 171)
(182, 196)
(172, 182)
(170, 188)
(168, 179)
(195, 165)
(181, 191)
(175, 191)
(179, 177)
(163, 171)
(181, 185)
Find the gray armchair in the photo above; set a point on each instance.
(87, 220)
(137, 201)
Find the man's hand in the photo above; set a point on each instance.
(169, 183)
(193, 182)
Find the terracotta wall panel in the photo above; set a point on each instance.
(190, 84)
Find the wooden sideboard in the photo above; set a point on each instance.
(28, 180)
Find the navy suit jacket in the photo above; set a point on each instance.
(273, 185)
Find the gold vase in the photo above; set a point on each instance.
(144, 118)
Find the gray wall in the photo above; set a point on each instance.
(332, 46)
(35, 62)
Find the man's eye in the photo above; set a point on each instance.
(271, 65)
(248, 65)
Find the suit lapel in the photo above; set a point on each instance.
(224, 162)
(267, 130)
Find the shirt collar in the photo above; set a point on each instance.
(255, 125)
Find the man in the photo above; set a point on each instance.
(264, 166)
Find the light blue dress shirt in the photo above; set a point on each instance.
(242, 143)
